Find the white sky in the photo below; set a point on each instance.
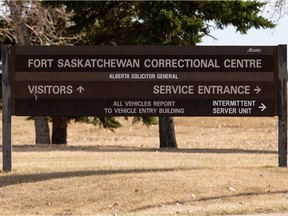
(228, 36)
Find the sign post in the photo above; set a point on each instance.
(282, 105)
(6, 108)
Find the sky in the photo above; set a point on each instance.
(228, 36)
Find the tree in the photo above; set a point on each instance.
(279, 7)
(276, 9)
(161, 23)
(28, 23)
(21, 36)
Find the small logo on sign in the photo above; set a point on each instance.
(251, 50)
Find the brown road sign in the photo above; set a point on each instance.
(135, 80)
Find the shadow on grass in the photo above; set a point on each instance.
(8, 180)
(218, 198)
(95, 148)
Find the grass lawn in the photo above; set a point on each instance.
(223, 166)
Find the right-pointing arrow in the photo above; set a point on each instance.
(262, 107)
(257, 89)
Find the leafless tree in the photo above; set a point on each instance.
(29, 23)
(276, 9)
(280, 7)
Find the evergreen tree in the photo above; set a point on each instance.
(161, 23)
(156, 23)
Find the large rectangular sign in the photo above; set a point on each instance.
(145, 81)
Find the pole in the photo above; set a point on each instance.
(6, 108)
(282, 105)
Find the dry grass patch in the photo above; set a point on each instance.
(222, 166)
(68, 180)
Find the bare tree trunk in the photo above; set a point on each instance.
(41, 130)
(23, 38)
(167, 132)
(21, 31)
(59, 131)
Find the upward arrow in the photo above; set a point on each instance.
(80, 89)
